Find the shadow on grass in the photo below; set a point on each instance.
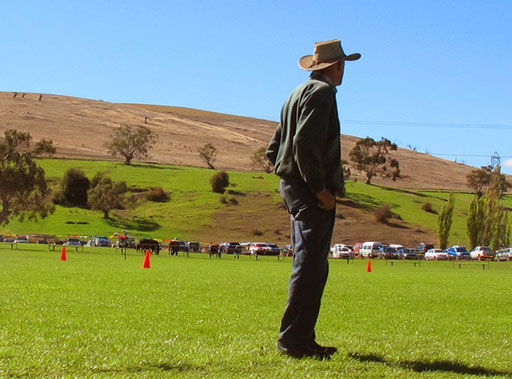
(135, 223)
(149, 165)
(395, 225)
(402, 190)
(441, 366)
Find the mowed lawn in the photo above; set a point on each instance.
(99, 314)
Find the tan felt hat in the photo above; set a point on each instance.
(326, 54)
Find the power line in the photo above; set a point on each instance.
(426, 124)
(470, 155)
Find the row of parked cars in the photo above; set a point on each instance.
(248, 248)
(120, 240)
(374, 249)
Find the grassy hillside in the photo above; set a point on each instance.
(194, 212)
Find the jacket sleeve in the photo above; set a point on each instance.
(273, 145)
(310, 140)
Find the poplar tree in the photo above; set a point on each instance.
(476, 221)
(444, 222)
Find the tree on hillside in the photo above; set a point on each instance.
(444, 222)
(259, 160)
(23, 188)
(106, 195)
(208, 153)
(73, 188)
(499, 182)
(485, 177)
(478, 179)
(476, 221)
(131, 142)
(372, 158)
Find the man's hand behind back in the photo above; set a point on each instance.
(327, 201)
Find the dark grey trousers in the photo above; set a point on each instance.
(312, 229)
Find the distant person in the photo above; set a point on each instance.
(306, 153)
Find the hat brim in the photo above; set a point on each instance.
(306, 62)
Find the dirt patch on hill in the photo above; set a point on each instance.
(258, 217)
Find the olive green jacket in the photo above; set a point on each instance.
(306, 143)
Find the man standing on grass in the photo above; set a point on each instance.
(306, 153)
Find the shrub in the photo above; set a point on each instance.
(158, 195)
(427, 207)
(219, 181)
(73, 189)
(233, 200)
(383, 213)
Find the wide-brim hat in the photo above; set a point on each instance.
(326, 54)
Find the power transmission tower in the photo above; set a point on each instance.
(495, 160)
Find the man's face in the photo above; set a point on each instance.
(340, 69)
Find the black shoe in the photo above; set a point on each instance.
(303, 351)
(328, 350)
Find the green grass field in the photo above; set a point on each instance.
(100, 315)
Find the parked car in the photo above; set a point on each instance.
(458, 252)
(357, 248)
(230, 247)
(246, 248)
(436, 254)
(481, 253)
(423, 247)
(370, 249)
(342, 251)
(262, 248)
(396, 246)
(194, 246)
(72, 242)
(407, 253)
(339, 246)
(21, 239)
(503, 254)
(389, 253)
(100, 241)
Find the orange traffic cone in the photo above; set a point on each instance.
(369, 266)
(63, 254)
(145, 264)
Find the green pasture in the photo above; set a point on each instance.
(193, 204)
(101, 315)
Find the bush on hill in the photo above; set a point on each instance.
(219, 181)
(383, 213)
(427, 207)
(158, 195)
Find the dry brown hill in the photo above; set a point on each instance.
(79, 128)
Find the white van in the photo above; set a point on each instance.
(370, 249)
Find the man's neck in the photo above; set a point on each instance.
(322, 77)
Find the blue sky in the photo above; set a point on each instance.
(434, 75)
